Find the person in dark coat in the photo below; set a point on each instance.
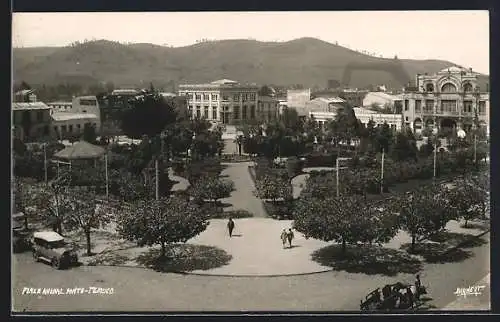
(284, 237)
(418, 287)
(289, 236)
(230, 226)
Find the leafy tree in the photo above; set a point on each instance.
(149, 116)
(212, 188)
(274, 188)
(86, 213)
(422, 212)
(89, 133)
(29, 198)
(405, 146)
(162, 222)
(344, 219)
(468, 201)
(55, 201)
(383, 138)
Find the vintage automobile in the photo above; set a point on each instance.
(51, 247)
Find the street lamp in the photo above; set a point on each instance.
(337, 167)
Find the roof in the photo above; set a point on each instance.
(50, 236)
(125, 91)
(224, 81)
(361, 110)
(168, 94)
(453, 69)
(80, 150)
(330, 100)
(60, 103)
(89, 97)
(25, 92)
(30, 106)
(384, 95)
(66, 116)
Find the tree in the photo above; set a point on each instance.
(212, 188)
(86, 213)
(468, 201)
(168, 220)
(274, 188)
(89, 133)
(29, 198)
(344, 219)
(56, 206)
(149, 116)
(422, 212)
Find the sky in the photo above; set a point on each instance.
(461, 37)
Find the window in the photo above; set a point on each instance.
(206, 97)
(225, 97)
(429, 106)
(190, 96)
(215, 97)
(94, 125)
(56, 130)
(406, 118)
(467, 107)
(205, 112)
(63, 128)
(448, 88)
(190, 108)
(252, 112)
(214, 112)
(406, 105)
(39, 116)
(198, 111)
(448, 106)
(252, 96)
(429, 88)
(418, 106)
(197, 97)
(393, 127)
(88, 102)
(78, 126)
(236, 112)
(70, 128)
(236, 97)
(244, 112)
(244, 97)
(482, 108)
(467, 87)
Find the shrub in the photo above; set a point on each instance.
(321, 159)
(235, 214)
(294, 166)
(279, 210)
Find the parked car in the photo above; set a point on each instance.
(51, 247)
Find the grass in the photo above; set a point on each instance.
(235, 214)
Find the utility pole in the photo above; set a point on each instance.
(337, 168)
(45, 162)
(382, 173)
(106, 172)
(157, 181)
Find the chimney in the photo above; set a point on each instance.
(470, 69)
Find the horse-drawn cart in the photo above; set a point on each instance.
(398, 296)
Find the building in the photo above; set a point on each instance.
(25, 96)
(297, 99)
(325, 104)
(353, 97)
(450, 98)
(268, 108)
(30, 120)
(381, 100)
(70, 125)
(364, 115)
(225, 101)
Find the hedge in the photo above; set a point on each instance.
(280, 210)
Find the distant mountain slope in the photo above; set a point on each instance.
(306, 61)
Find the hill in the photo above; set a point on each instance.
(306, 61)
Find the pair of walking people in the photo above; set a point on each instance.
(287, 236)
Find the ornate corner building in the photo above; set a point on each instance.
(451, 98)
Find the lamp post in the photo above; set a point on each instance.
(434, 138)
(45, 162)
(382, 173)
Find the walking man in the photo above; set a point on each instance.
(284, 238)
(418, 287)
(289, 235)
(230, 226)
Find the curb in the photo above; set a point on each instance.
(214, 275)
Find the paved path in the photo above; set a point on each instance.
(299, 182)
(257, 250)
(243, 197)
(182, 183)
(137, 290)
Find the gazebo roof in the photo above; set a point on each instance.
(80, 150)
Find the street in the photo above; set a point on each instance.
(137, 289)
